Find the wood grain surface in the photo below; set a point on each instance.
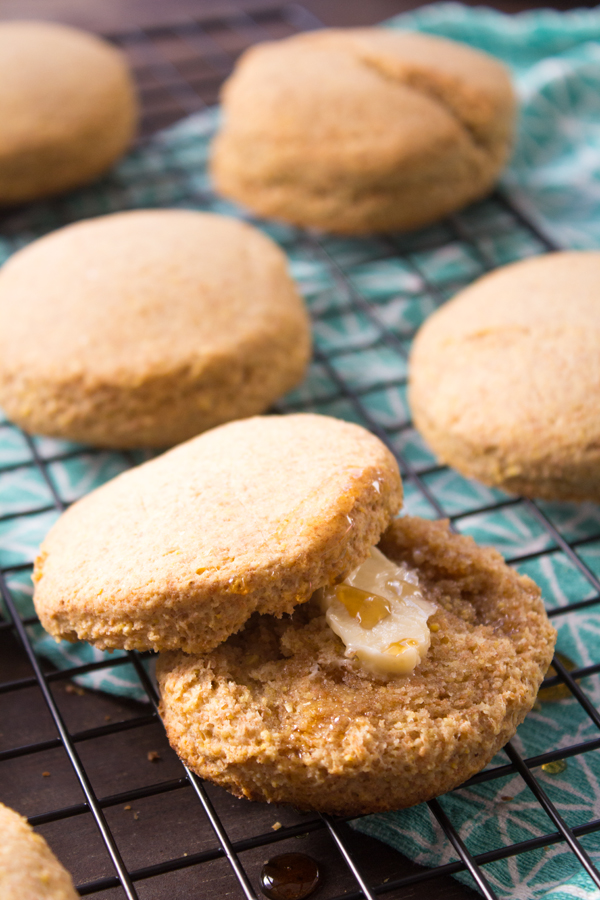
(109, 15)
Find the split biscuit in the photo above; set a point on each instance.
(250, 517)
(363, 130)
(505, 378)
(145, 328)
(28, 868)
(67, 107)
(280, 713)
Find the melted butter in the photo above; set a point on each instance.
(381, 615)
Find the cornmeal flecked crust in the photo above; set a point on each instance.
(505, 378)
(67, 107)
(363, 130)
(252, 516)
(145, 328)
(28, 868)
(278, 713)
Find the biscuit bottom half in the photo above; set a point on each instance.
(279, 713)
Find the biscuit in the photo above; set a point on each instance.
(363, 130)
(279, 713)
(67, 107)
(28, 868)
(252, 516)
(145, 328)
(505, 378)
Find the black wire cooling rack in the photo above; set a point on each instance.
(178, 69)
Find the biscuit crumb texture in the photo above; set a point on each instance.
(28, 868)
(505, 378)
(145, 328)
(67, 107)
(250, 517)
(363, 130)
(278, 713)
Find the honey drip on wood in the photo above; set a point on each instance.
(291, 876)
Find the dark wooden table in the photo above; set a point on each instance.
(110, 15)
(169, 824)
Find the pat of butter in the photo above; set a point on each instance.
(380, 615)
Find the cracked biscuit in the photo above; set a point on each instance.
(249, 517)
(67, 107)
(144, 328)
(28, 868)
(505, 378)
(280, 713)
(363, 130)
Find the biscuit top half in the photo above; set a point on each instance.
(363, 101)
(511, 366)
(252, 516)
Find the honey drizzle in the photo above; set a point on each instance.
(368, 609)
(400, 647)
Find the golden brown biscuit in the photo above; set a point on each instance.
(145, 328)
(252, 516)
(28, 868)
(67, 108)
(279, 713)
(363, 130)
(505, 378)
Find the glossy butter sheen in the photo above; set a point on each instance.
(381, 615)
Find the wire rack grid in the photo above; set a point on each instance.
(178, 68)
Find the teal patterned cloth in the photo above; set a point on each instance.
(555, 177)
